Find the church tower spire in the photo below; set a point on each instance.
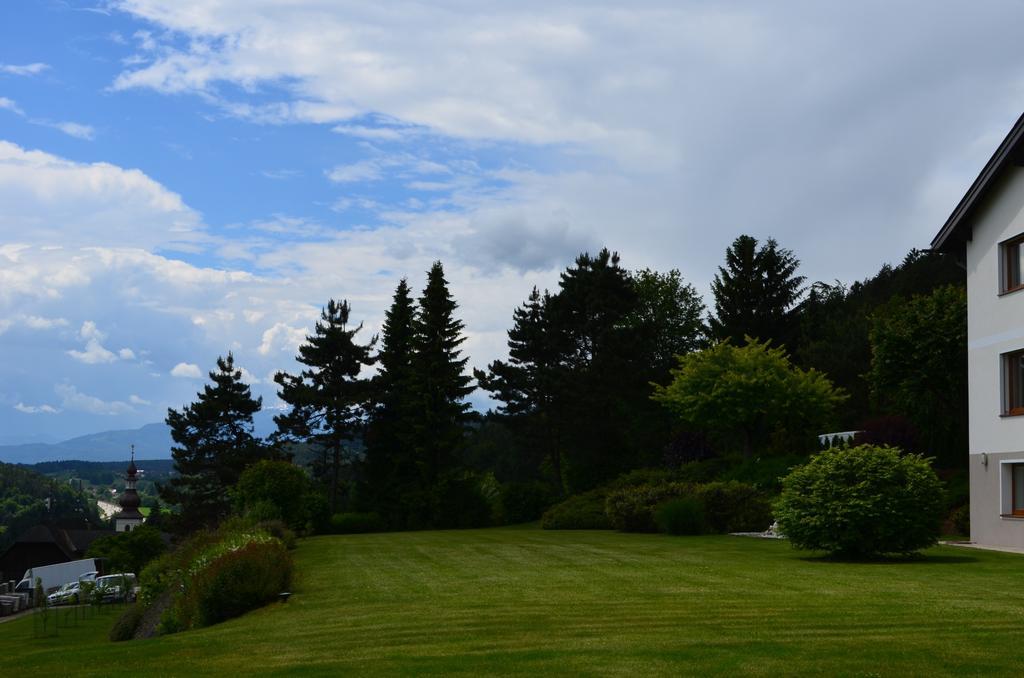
(129, 516)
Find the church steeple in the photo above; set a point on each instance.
(129, 517)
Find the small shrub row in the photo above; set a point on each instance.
(580, 512)
(689, 508)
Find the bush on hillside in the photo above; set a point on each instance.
(682, 516)
(356, 523)
(239, 581)
(124, 627)
(579, 512)
(862, 501)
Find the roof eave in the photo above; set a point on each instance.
(956, 232)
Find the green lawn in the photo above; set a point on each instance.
(517, 600)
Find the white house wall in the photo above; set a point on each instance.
(995, 326)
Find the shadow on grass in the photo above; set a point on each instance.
(913, 559)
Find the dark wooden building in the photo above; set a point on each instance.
(46, 544)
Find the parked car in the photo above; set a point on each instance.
(112, 588)
(68, 593)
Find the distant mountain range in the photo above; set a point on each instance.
(152, 441)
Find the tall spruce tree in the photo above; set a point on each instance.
(439, 382)
(328, 400)
(391, 476)
(524, 384)
(597, 368)
(214, 443)
(757, 293)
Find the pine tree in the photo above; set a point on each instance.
(328, 400)
(525, 383)
(214, 444)
(391, 474)
(599, 368)
(439, 382)
(756, 293)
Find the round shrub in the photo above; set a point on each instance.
(684, 515)
(862, 501)
(631, 509)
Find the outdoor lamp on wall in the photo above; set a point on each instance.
(984, 459)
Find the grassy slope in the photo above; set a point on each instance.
(527, 601)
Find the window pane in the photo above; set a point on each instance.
(1014, 252)
(1018, 487)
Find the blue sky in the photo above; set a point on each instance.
(180, 178)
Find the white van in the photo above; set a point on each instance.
(116, 587)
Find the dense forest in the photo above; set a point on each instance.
(614, 370)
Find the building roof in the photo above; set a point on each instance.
(957, 229)
(71, 542)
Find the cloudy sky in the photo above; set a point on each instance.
(180, 178)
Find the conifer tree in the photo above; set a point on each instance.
(756, 293)
(525, 384)
(214, 443)
(439, 382)
(328, 400)
(391, 474)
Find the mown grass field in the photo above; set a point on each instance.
(526, 601)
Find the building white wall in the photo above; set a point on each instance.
(995, 324)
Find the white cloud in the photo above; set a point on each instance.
(186, 371)
(94, 352)
(32, 322)
(281, 337)
(52, 201)
(24, 69)
(75, 129)
(126, 354)
(36, 409)
(136, 400)
(10, 105)
(74, 400)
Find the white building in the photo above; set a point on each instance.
(986, 233)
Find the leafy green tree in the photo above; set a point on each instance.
(757, 293)
(129, 551)
(328, 399)
(214, 443)
(392, 477)
(277, 485)
(836, 319)
(750, 396)
(439, 382)
(919, 367)
(669, 316)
